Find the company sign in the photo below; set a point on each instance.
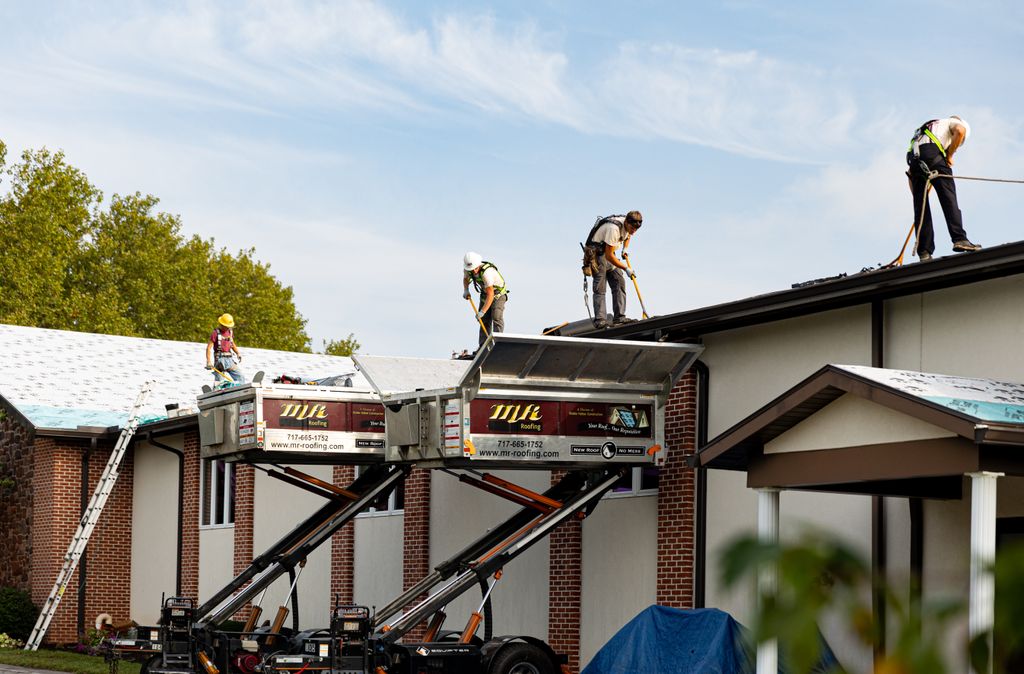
(322, 426)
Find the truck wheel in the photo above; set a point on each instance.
(150, 662)
(520, 658)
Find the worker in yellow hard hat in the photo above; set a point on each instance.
(222, 354)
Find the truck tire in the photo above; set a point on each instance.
(521, 658)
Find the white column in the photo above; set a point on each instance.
(983, 552)
(768, 577)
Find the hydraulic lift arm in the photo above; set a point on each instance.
(586, 489)
(295, 546)
(557, 494)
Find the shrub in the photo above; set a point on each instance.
(17, 613)
(10, 642)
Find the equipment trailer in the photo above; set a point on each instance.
(594, 408)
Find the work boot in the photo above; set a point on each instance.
(600, 324)
(622, 320)
(965, 246)
(923, 256)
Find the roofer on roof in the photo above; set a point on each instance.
(489, 282)
(607, 234)
(221, 352)
(932, 149)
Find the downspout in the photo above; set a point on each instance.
(181, 505)
(879, 552)
(83, 561)
(701, 510)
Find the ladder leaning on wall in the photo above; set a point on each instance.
(88, 522)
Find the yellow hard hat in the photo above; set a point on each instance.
(226, 320)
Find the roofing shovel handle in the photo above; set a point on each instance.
(478, 319)
(625, 256)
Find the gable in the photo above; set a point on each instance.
(852, 421)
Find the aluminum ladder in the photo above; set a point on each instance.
(88, 522)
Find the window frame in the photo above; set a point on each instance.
(227, 495)
(392, 509)
(636, 480)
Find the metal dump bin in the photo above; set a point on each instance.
(531, 402)
(292, 423)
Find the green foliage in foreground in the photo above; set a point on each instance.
(63, 661)
(819, 574)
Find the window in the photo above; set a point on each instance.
(641, 481)
(216, 493)
(388, 504)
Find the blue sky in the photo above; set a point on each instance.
(362, 147)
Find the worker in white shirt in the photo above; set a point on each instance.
(489, 282)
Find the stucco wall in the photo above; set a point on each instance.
(154, 529)
(460, 514)
(619, 567)
(278, 509)
(378, 559)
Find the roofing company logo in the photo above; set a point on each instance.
(303, 411)
(515, 413)
(519, 417)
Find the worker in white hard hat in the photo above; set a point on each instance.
(932, 149)
(222, 352)
(489, 282)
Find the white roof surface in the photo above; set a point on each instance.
(62, 379)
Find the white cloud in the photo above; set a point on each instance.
(740, 102)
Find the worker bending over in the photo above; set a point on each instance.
(489, 282)
(605, 237)
(221, 351)
(932, 149)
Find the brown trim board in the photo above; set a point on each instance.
(886, 461)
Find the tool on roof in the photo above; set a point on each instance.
(478, 319)
(643, 309)
(87, 524)
(915, 227)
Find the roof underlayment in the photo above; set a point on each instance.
(59, 379)
(984, 399)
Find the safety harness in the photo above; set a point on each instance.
(925, 130)
(478, 279)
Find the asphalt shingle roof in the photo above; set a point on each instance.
(60, 379)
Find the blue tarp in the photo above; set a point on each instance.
(662, 640)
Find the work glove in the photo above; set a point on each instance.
(632, 274)
(625, 255)
(209, 367)
(238, 357)
(479, 315)
(465, 294)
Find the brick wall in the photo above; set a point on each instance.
(565, 587)
(190, 517)
(15, 503)
(416, 546)
(343, 546)
(245, 476)
(56, 506)
(676, 497)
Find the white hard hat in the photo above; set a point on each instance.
(471, 261)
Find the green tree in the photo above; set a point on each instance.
(45, 218)
(125, 269)
(342, 347)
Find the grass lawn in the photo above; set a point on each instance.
(63, 661)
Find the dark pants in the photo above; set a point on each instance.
(944, 187)
(494, 319)
(609, 275)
